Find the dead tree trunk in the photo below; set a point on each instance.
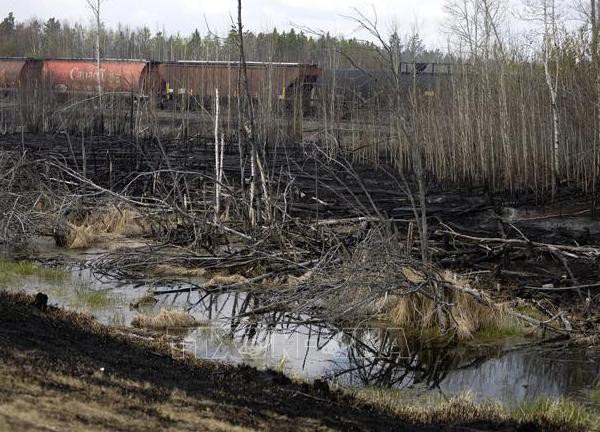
(95, 5)
(596, 66)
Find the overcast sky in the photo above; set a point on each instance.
(186, 15)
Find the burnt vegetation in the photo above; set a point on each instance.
(439, 190)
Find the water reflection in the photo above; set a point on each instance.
(530, 374)
(389, 358)
(303, 347)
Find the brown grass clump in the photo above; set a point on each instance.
(100, 225)
(124, 222)
(379, 282)
(73, 236)
(219, 280)
(81, 237)
(164, 320)
(297, 280)
(173, 270)
(468, 316)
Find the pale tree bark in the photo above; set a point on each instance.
(596, 66)
(218, 160)
(95, 5)
(418, 156)
(546, 12)
(550, 36)
(594, 26)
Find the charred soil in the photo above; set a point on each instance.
(64, 371)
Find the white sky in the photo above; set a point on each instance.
(186, 15)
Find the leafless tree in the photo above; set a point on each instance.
(404, 119)
(95, 6)
(248, 129)
(475, 25)
(546, 12)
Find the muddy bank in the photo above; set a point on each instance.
(102, 378)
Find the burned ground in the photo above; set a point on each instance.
(322, 210)
(63, 371)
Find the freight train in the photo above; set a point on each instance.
(194, 82)
(166, 82)
(354, 89)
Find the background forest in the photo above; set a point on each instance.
(55, 38)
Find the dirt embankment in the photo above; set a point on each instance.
(63, 371)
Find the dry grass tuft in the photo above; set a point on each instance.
(81, 237)
(101, 225)
(380, 282)
(164, 320)
(297, 280)
(172, 270)
(124, 222)
(467, 315)
(219, 280)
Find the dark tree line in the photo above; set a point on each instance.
(55, 38)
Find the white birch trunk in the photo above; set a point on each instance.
(218, 159)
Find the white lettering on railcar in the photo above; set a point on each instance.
(81, 75)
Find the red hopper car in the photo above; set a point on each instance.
(117, 76)
(199, 79)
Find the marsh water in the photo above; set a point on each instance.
(513, 373)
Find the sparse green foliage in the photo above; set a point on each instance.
(13, 271)
(90, 298)
(596, 394)
(564, 414)
(424, 408)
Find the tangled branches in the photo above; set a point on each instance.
(24, 198)
(380, 280)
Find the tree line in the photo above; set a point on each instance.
(55, 38)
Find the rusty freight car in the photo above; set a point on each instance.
(18, 74)
(198, 80)
(138, 77)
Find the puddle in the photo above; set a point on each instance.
(300, 349)
(530, 374)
